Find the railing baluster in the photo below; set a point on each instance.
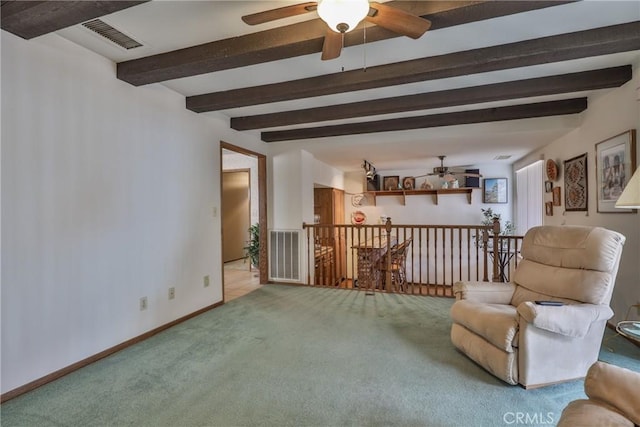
(429, 265)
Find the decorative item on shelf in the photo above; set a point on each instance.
(408, 183)
(390, 183)
(426, 185)
(444, 185)
(495, 190)
(548, 186)
(358, 218)
(471, 181)
(552, 170)
(575, 184)
(455, 184)
(615, 159)
(630, 197)
(548, 208)
(374, 183)
(556, 196)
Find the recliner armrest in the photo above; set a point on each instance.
(615, 386)
(572, 320)
(487, 292)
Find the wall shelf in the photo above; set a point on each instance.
(435, 193)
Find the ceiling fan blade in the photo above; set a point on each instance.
(398, 21)
(279, 13)
(421, 176)
(332, 45)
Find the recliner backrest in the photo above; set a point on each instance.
(574, 263)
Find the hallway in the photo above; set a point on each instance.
(238, 280)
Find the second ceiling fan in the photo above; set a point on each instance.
(343, 16)
(447, 174)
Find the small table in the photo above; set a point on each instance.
(369, 254)
(629, 329)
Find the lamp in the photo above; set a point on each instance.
(369, 170)
(630, 197)
(343, 16)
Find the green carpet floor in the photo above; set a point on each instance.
(298, 356)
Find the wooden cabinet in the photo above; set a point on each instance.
(329, 208)
(328, 203)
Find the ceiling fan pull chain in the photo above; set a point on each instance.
(342, 34)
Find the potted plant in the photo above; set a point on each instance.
(252, 250)
(507, 228)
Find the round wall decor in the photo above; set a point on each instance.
(358, 218)
(552, 170)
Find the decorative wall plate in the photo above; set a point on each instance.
(356, 200)
(358, 218)
(552, 170)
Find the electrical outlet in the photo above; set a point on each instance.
(206, 281)
(143, 303)
(172, 293)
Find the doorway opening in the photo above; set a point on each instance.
(243, 205)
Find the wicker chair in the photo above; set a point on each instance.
(397, 266)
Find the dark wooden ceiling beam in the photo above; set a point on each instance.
(514, 112)
(303, 39)
(563, 47)
(565, 83)
(29, 19)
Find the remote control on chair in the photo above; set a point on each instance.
(554, 303)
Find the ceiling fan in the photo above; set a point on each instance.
(443, 172)
(343, 16)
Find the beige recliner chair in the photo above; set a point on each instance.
(614, 399)
(500, 326)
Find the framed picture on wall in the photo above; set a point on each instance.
(615, 163)
(494, 190)
(576, 189)
(548, 208)
(556, 196)
(548, 186)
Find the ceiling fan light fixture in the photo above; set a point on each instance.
(343, 16)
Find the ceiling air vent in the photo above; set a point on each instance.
(110, 33)
(502, 157)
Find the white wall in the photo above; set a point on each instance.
(608, 114)
(327, 176)
(107, 196)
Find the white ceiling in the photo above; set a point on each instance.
(163, 26)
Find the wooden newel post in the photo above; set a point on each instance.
(496, 250)
(485, 245)
(387, 273)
